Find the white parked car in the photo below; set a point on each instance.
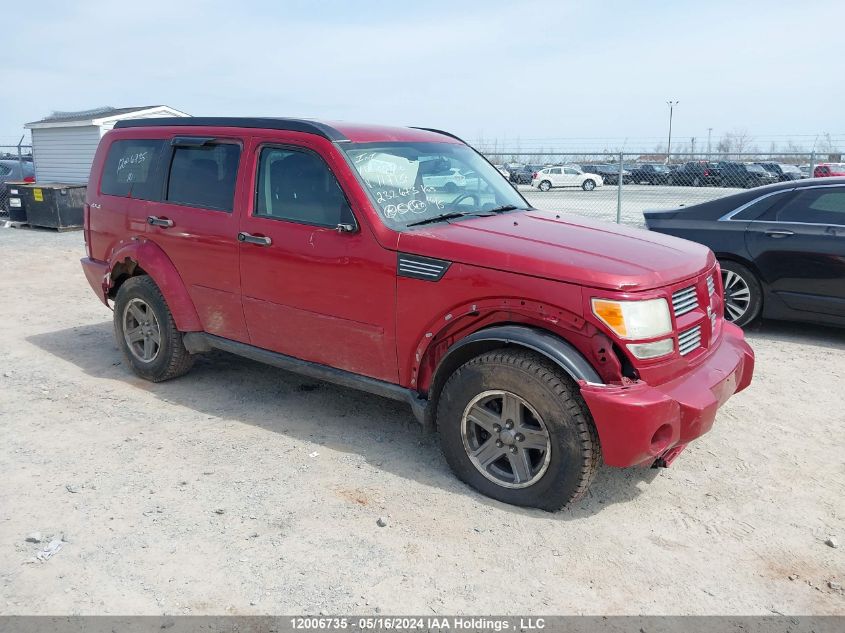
(452, 181)
(565, 176)
(503, 170)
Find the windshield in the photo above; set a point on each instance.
(410, 182)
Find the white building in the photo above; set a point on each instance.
(63, 144)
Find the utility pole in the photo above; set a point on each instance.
(692, 148)
(709, 132)
(671, 105)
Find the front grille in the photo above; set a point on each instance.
(684, 300)
(689, 340)
(711, 285)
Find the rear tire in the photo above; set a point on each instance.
(543, 408)
(146, 332)
(588, 185)
(545, 185)
(743, 294)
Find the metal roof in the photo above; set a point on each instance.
(96, 113)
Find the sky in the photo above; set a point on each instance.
(535, 74)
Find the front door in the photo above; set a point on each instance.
(316, 284)
(799, 248)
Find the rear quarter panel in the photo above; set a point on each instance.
(105, 220)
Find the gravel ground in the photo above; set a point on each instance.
(244, 489)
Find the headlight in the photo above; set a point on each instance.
(634, 319)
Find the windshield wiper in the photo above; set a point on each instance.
(503, 208)
(437, 218)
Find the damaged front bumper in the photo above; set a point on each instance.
(641, 424)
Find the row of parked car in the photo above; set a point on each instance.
(689, 174)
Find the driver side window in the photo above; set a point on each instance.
(296, 185)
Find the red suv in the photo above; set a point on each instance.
(828, 170)
(539, 345)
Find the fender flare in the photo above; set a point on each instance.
(155, 262)
(560, 352)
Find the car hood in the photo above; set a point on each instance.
(563, 248)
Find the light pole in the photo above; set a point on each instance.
(671, 105)
(709, 132)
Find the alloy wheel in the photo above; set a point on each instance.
(141, 330)
(737, 295)
(505, 439)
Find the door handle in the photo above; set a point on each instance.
(778, 233)
(261, 240)
(162, 222)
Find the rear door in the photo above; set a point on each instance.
(196, 224)
(571, 177)
(799, 249)
(316, 284)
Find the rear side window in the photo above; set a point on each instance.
(763, 207)
(5, 171)
(204, 176)
(820, 206)
(130, 169)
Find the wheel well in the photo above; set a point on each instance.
(122, 271)
(730, 257)
(737, 259)
(464, 353)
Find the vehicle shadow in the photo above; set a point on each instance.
(382, 432)
(827, 337)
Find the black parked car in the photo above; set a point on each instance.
(782, 171)
(781, 248)
(651, 173)
(742, 175)
(609, 173)
(695, 173)
(523, 174)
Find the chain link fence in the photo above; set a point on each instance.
(615, 187)
(15, 165)
(618, 187)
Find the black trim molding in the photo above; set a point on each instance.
(267, 123)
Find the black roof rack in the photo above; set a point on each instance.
(269, 123)
(436, 131)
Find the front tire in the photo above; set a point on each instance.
(545, 185)
(515, 428)
(743, 294)
(588, 185)
(146, 332)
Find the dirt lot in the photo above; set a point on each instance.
(243, 489)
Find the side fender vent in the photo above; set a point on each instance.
(424, 268)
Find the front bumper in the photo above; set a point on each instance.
(639, 424)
